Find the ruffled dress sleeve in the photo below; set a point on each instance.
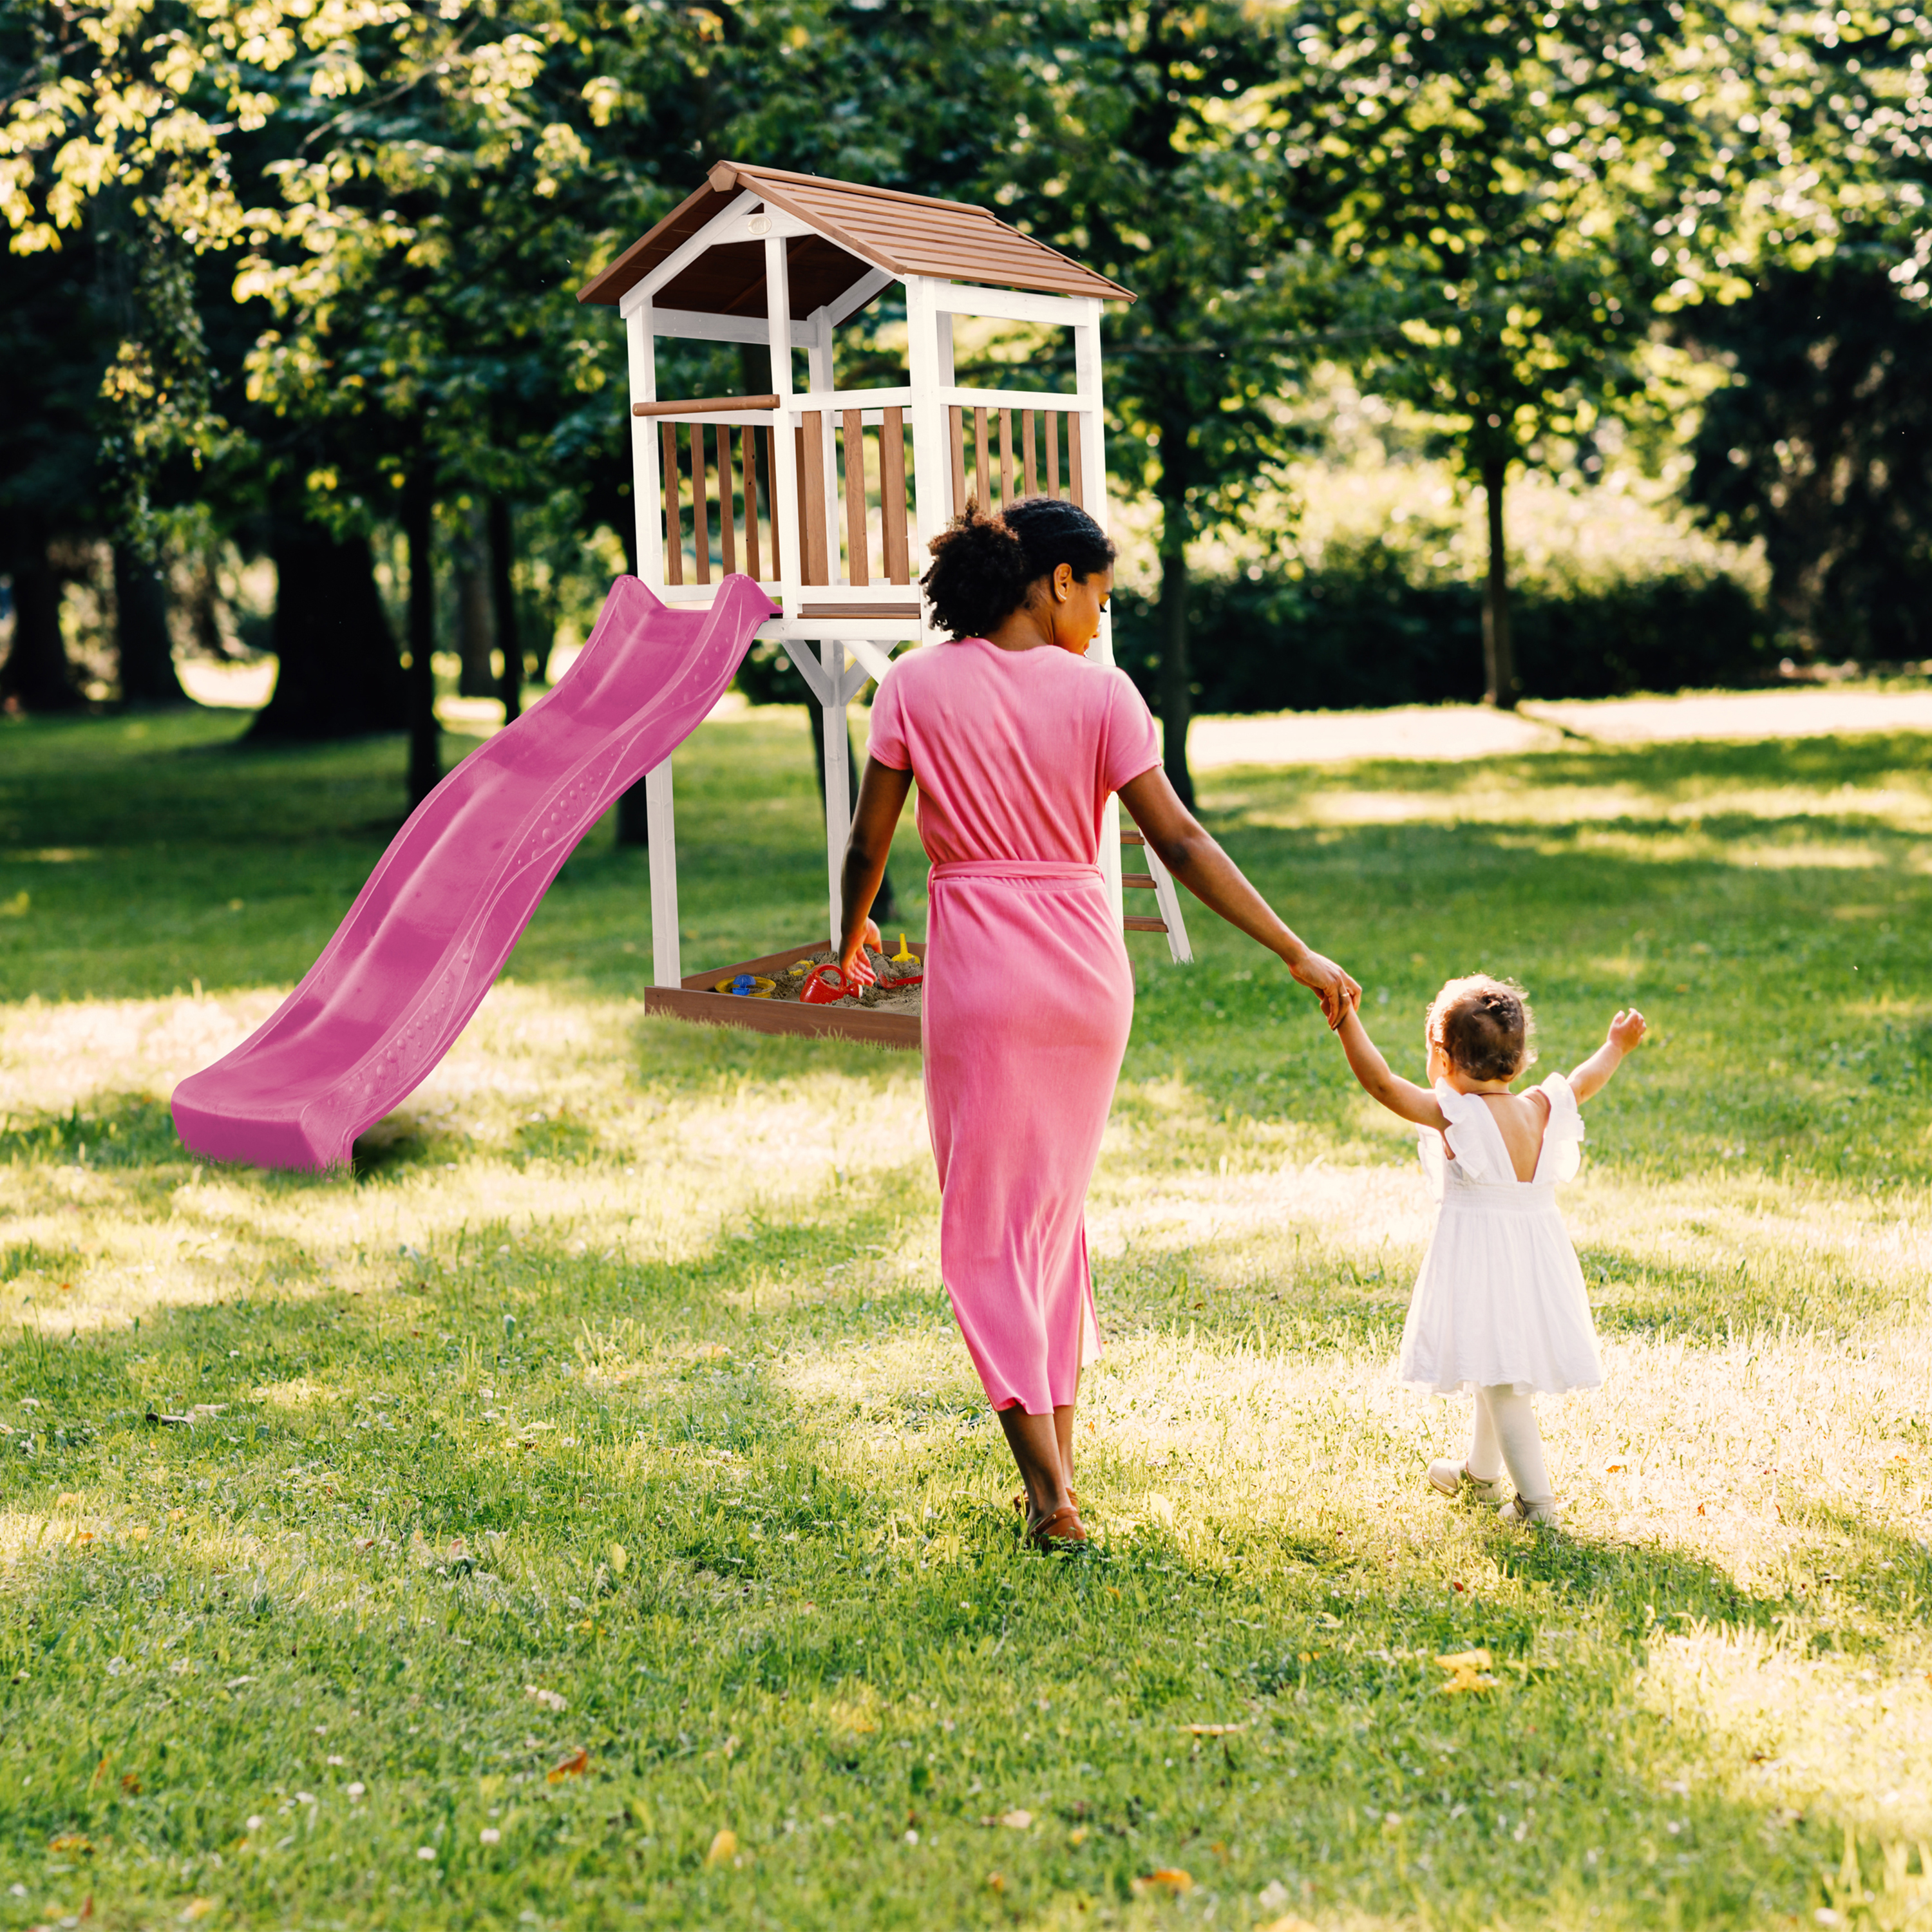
(1473, 1139)
(1563, 1138)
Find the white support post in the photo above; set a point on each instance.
(783, 508)
(818, 365)
(929, 370)
(659, 826)
(837, 792)
(646, 475)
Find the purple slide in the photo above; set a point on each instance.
(429, 933)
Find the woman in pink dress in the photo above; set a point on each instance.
(1016, 741)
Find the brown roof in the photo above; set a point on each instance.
(858, 229)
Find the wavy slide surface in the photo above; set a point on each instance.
(429, 933)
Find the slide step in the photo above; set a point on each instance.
(1143, 880)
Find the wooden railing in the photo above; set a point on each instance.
(1040, 431)
(854, 525)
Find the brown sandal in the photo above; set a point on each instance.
(1063, 1529)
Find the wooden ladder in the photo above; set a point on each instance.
(1159, 880)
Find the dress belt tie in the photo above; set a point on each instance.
(1014, 868)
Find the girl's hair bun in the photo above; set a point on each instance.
(1484, 1027)
(984, 567)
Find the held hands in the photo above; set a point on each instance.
(1627, 1030)
(1337, 991)
(856, 967)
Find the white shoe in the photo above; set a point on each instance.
(1451, 1479)
(1517, 1509)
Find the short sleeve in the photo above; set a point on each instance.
(1563, 1138)
(1132, 746)
(886, 732)
(1473, 1136)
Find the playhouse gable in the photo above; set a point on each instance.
(858, 235)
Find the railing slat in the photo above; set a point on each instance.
(771, 499)
(728, 507)
(956, 424)
(812, 496)
(700, 505)
(858, 542)
(982, 463)
(893, 496)
(750, 452)
(673, 522)
(1052, 418)
(1005, 459)
(1076, 484)
(1028, 439)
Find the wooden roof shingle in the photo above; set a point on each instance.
(858, 229)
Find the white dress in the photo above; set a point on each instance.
(1500, 1297)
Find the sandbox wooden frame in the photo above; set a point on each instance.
(762, 256)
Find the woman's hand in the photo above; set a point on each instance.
(1337, 991)
(853, 964)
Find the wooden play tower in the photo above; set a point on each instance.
(827, 497)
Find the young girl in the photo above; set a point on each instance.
(1499, 1307)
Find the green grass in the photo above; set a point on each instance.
(619, 1371)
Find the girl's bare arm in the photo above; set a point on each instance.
(1593, 1075)
(1402, 1098)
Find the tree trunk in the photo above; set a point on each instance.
(1499, 653)
(338, 673)
(36, 675)
(885, 901)
(425, 748)
(141, 628)
(503, 599)
(475, 628)
(1177, 695)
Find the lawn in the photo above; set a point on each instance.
(583, 1514)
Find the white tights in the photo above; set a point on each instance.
(1506, 1436)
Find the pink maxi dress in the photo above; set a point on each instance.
(1028, 994)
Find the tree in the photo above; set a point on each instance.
(1143, 152)
(1821, 446)
(1512, 194)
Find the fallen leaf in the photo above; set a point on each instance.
(724, 1847)
(1212, 1730)
(572, 1767)
(66, 1499)
(196, 1908)
(1468, 1670)
(995, 1881)
(551, 1700)
(70, 1841)
(619, 1559)
(179, 1516)
(1017, 1821)
(1169, 1878)
(130, 1784)
(1078, 1836)
(139, 1534)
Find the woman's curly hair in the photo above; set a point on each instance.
(1484, 1027)
(984, 567)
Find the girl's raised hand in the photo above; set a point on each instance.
(1627, 1029)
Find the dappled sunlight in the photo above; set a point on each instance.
(1779, 1724)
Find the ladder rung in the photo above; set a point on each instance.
(1132, 838)
(1145, 924)
(1145, 880)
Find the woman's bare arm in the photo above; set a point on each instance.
(882, 797)
(1187, 850)
(1401, 1097)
